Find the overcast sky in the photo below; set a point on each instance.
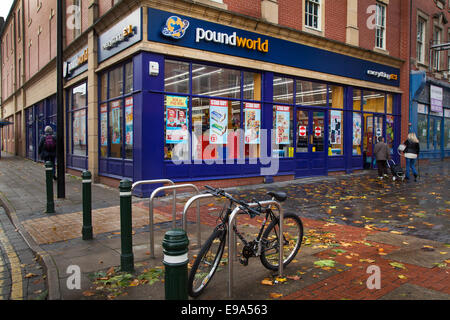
(5, 5)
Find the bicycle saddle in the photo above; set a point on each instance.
(279, 196)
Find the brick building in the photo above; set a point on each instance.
(191, 86)
(429, 78)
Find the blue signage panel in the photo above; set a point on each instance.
(193, 33)
(123, 35)
(76, 64)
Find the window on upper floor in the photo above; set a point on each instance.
(380, 26)
(421, 38)
(437, 36)
(313, 14)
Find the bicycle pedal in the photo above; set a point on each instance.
(243, 261)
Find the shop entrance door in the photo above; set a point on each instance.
(373, 128)
(311, 145)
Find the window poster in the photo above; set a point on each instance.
(129, 121)
(115, 122)
(282, 125)
(356, 129)
(218, 121)
(252, 122)
(103, 125)
(176, 119)
(335, 127)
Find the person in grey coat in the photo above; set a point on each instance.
(382, 155)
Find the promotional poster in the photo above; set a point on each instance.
(176, 119)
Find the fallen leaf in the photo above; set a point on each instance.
(278, 279)
(134, 283)
(402, 277)
(88, 293)
(267, 282)
(30, 275)
(397, 265)
(274, 295)
(325, 263)
(294, 277)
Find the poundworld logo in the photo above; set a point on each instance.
(231, 40)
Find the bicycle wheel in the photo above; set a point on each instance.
(206, 263)
(292, 240)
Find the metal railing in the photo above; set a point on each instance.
(154, 193)
(232, 244)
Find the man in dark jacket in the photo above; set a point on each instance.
(381, 152)
(47, 147)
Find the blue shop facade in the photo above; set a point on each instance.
(185, 118)
(430, 115)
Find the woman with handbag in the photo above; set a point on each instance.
(411, 153)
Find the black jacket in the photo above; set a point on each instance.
(45, 154)
(411, 147)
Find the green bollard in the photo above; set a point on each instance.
(87, 205)
(49, 183)
(126, 256)
(175, 248)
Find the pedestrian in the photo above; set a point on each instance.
(411, 153)
(47, 147)
(381, 152)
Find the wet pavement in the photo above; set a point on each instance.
(419, 209)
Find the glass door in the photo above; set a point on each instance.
(310, 142)
(373, 128)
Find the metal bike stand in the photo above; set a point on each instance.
(186, 208)
(158, 181)
(154, 193)
(232, 244)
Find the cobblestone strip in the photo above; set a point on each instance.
(16, 272)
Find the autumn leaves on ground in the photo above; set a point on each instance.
(344, 220)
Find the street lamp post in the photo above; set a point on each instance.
(61, 187)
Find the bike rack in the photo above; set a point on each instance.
(154, 193)
(186, 208)
(232, 245)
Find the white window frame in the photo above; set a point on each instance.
(380, 26)
(421, 40)
(437, 53)
(317, 16)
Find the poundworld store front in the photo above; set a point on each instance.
(204, 101)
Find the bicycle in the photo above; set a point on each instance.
(265, 245)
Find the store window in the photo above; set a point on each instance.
(176, 77)
(336, 133)
(226, 112)
(357, 133)
(447, 129)
(336, 121)
(78, 120)
(116, 112)
(311, 93)
(283, 90)
(422, 126)
(283, 128)
(356, 99)
(373, 101)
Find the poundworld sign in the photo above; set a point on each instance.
(182, 31)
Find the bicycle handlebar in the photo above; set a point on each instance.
(242, 205)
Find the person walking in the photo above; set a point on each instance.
(411, 153)
(381, 152)
(47, 147)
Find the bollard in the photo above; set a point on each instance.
(175, 248)
(126, 256)
(87, 205)
(49, 183)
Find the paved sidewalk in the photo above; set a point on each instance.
(413, 262)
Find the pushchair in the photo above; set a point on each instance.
(396, 170)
